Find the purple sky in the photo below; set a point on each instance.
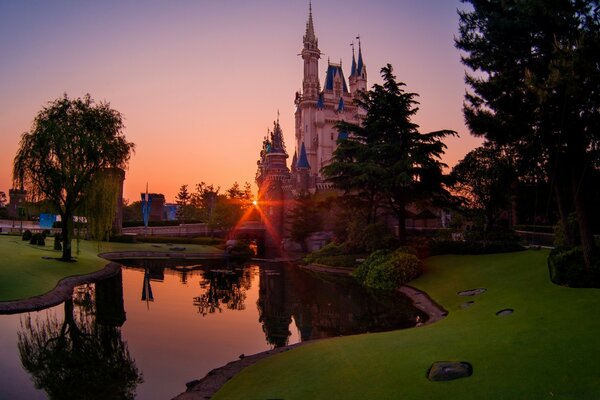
(200, 82)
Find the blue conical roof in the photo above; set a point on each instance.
(303, 159)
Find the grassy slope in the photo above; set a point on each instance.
(547, 349)
(24, 273)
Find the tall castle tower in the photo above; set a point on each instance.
(272, 178)
(318, 110)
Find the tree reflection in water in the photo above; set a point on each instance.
(84, 356)
(223, 287)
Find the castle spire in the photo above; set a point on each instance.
(310, 39)
(359, 67)
(353, 70)
(310, 54)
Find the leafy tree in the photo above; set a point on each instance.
(304, 219)
(386, 156)
(101, 203)
(483, 178)
(2, 199)
(204, 200)
(71, 141)
(535, 87)
(230, 209)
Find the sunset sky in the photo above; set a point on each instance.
(200, 82)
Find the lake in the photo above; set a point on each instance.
(162, 323)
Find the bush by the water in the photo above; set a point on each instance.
(389, 270)
(240, 251)
(334, 255)
(567, 268)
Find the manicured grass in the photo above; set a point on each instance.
(24, 273)
(547, 349)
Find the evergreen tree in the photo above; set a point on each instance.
(536, 88)
(386, 158)
(183, 202)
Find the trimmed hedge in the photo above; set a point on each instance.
(567, 268)
(389, 270)
(439, 247)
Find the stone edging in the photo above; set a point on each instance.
(62, 291)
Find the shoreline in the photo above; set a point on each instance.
(64, 288)
(205, 388)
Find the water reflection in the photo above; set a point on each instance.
(223, 288)
(325, 306)
(83, 356)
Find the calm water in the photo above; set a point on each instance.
(149, 330)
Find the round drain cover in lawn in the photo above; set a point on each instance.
(449, 370)
(506, 311)
(472, 292)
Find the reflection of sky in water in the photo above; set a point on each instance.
(175, 337)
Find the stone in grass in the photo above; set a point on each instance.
(506, 311)
(466, 304)
(472, 292)
(449, 370)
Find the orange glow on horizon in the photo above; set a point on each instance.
(199, 83)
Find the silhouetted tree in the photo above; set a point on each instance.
(536, 88)
(484, 178)
(71, 141)
(387, 156)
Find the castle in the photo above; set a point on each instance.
(318, 109)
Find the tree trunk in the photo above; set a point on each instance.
(585, 231)
(563, 212)
(67, 222)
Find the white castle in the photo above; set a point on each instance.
(318, 110)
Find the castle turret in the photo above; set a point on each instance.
(358, 73)
(310, 54)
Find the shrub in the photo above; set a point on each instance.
(26, 235)
(376, 257)
(331, 249)
(368, 238)
(385, 270)
(37, 239)
(57, 241)
(240, 251)
(566, 267)
(46, 233)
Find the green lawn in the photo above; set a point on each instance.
(547, 349)
(24, 273)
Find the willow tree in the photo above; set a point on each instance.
(70, 142)
(100, 204)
